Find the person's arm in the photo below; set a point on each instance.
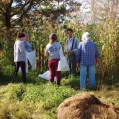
(46, 54)
(46, 51)
(76, 44)
(78, 55)
(97, 60)
(15, 52)
(96, 55)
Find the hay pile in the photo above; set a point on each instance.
(86, 106)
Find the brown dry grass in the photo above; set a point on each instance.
(86, 106)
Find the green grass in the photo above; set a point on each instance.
(30, 98)
(38, 99)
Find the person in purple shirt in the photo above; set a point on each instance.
(87, 56)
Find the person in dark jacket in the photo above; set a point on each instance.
(71, 48)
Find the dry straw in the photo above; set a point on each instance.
(86, 106)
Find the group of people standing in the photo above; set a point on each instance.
(84, 55)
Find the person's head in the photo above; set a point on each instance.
(86, 36)
(20, 35)
(26, 36)
(69, 32)
(53, 37)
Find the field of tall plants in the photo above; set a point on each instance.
(105, 35)
(38, 99)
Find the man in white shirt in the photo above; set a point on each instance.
(71, 48)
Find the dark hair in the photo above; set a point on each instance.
(69, 29)
(20, 35)
(53, 36)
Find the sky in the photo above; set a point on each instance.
(85, 7)
(82, 1)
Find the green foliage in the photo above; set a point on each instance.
(15, 12)
(39, 99)
(32, 100)
(105, 38)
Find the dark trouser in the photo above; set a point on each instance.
(23, 69)
(72, 63)
(53, 64)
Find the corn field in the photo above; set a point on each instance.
(105, 35)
